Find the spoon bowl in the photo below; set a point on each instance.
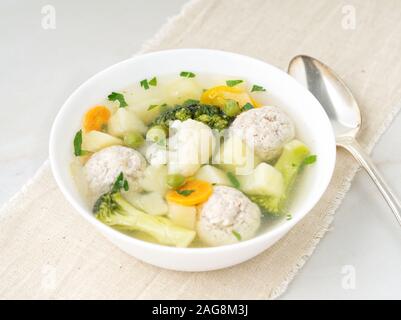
(337, 100)
(343, 112)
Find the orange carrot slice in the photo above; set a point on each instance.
(96, 118)
(191, 193)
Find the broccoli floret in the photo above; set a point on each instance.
(210, 115)
(112, 209)
(289, 164)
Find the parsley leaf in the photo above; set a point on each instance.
(310, 159)
(144, 84)
(153, 82)
(115, 96)
(185, 193)
(152, 106)
(120, 183)
(187, 74)
(247, 106)
(237, 235)
(257, 88)
(233, 179)
(232, 83)
(289, 217)
(78, 145)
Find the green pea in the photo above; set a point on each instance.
(133, 140)
(156, 134)
(175, 180)
(231, 108)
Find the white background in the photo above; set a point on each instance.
(40, 68)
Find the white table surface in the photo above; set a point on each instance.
(40, 68)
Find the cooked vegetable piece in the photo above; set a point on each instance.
(154, 179)
(237, 157)
(233, 179)
(113, 210)
(183, 216)
(115, 96)
(191, 193)
(96, 118)
(210, 115)
(125, 121)
(213, 175)
(264, 180)
(133, 140)
(220, 94)
(180, 90)
(175, 180)
(289, 164)
(231, 108)
(156, 134)
(96, 140)
(152, 202)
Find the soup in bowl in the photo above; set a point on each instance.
(192, 159)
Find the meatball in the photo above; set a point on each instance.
(266, 129)
(103, 167)
(228, 216)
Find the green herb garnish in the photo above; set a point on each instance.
(144, 84)
(120, 183)
(247, 106)
(115, 96)
(310, 159)
(232, 83)
(152, 106)
(257, 88)
(288, 217)
(78, 145)
(237, 235)
(233, 179)
(185, 193)
(187, 74)
(153, 82)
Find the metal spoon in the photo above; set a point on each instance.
(343, 112)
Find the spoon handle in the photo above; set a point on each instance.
(355, 149)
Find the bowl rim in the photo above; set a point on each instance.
(275, 232)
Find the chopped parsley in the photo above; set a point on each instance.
(153, 82)
(257, 88)
(289, 217)
(187, 74)
(152, 106)
(144, 84)
(78, 145)
(115, 96)
(247, 106)
(237, 235)
(232, 83)
(147, 83)
(310, 159)
(185, 193)
(233, 179)
(120, 183)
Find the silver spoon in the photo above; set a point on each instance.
(343, 112)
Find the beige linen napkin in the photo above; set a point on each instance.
(49, 251)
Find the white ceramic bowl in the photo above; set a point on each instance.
(313, 127)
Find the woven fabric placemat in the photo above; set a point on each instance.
(48, 251)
